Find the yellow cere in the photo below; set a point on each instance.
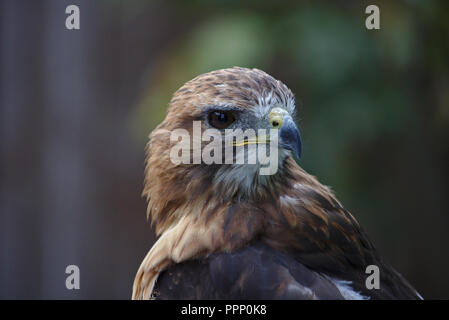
(276, 117)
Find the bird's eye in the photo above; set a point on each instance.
(221, 119)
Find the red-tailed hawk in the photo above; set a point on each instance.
(229, 232)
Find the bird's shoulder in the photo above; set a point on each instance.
(321, 234)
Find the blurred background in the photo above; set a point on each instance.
(76, 107)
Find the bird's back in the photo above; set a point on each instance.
(255, 272)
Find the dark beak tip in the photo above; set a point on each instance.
(297, 151)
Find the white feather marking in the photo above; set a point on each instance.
(267, 101)
(347, 291)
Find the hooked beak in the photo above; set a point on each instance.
(289, 135)
(290, 138)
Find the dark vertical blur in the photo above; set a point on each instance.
(76, 107)
(71, 168)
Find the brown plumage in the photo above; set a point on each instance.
(227, 232)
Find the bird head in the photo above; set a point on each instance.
(227, 132)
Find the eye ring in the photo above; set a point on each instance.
(221, 119)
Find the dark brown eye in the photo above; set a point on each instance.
(221, 119)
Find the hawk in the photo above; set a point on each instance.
(228, 232)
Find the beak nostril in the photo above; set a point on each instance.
(276, 122)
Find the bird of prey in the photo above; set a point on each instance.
(228, 232)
